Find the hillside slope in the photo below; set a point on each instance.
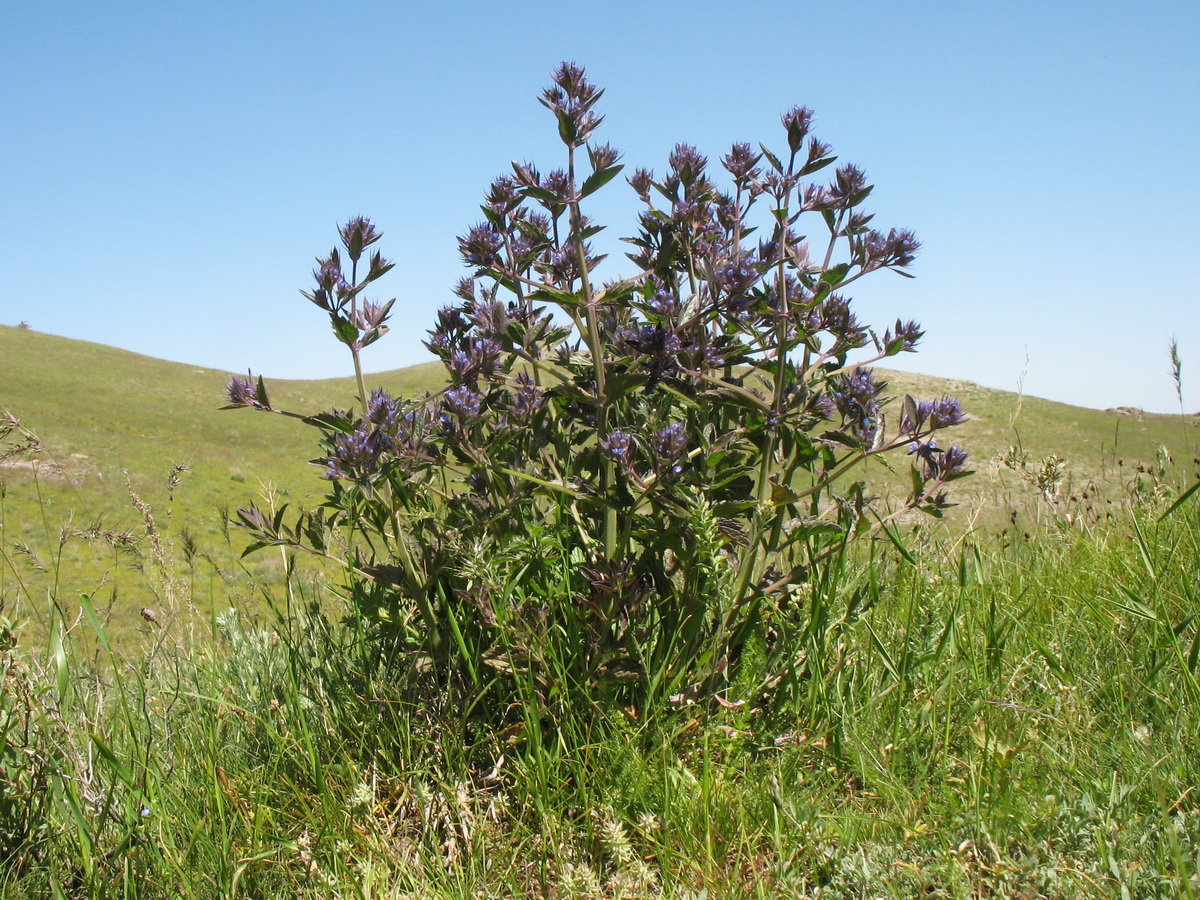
(113, 421)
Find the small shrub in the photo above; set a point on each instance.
(626, 483)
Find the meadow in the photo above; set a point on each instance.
(114, 425)
(655, 586)
(1008, 708)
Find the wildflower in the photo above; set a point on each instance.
(897, 248)
(849, 187)
(669, 442)
(842, 324)
(687, 164)
(526, 400)
(906, 335)
(940, 465)
(571, 98)
(660, 346)
(738, 275)
(797, 121)
(620, 446)
(503, 196)
(353, 456)
(358, 234)
(463, 402)
(242, 393)
(603, 157)
(481, 247)
(640, 181)
(945, 413)
(383, 410)
(741, 162)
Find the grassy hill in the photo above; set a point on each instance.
(112, 422)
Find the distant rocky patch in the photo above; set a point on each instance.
(1136, 412)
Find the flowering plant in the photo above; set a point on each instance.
(626, 479)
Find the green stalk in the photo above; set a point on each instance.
(592, 338)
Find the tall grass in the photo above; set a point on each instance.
(988, 715)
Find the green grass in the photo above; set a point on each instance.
(1011, 718)
(112, 422)
(1013, 713)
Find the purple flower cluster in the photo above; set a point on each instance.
(571, 98)
(940, 465)
(932, 415)
(855, 398)
(242, 394)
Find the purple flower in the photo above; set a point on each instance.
(603, 157)
(559, 185)
(640, 181)
(243, 394)
(837, 319)
(571, 98)
(490, 317)
(620, 446)
(940, 465)
(897, 248)
(741, 162)
(797, 121)
(358, 234)
(737, 276)
(907, 333)
(687, 164)
(481, 247)
(503, 196)
(383, 410)
(854, 395)
(669, 442)
(526, 400)
(658, 345)
(463, 402)
(849, 187)
(946, 413)
(354, 456)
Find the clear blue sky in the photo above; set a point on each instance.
(168, 170)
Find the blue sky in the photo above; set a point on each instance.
(168, 171)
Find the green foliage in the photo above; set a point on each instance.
(1018, 718)
(625, 485)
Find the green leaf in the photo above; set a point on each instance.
(884, 656)
(541, 194)
(566, 128)
(1054, 662)
(918, 481)
(331, 422)
(894, 537)
(89, 611)
(835, 275)
(1180, 500)
(563, 299)
(598, 179)
(781, 494)
(260, 393)
(816, 165)
(1133, 605)
(119, 769)
(862, 195)
(772, 159)
(343, 329)
(58, 653)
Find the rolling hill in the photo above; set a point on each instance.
(113, 422)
